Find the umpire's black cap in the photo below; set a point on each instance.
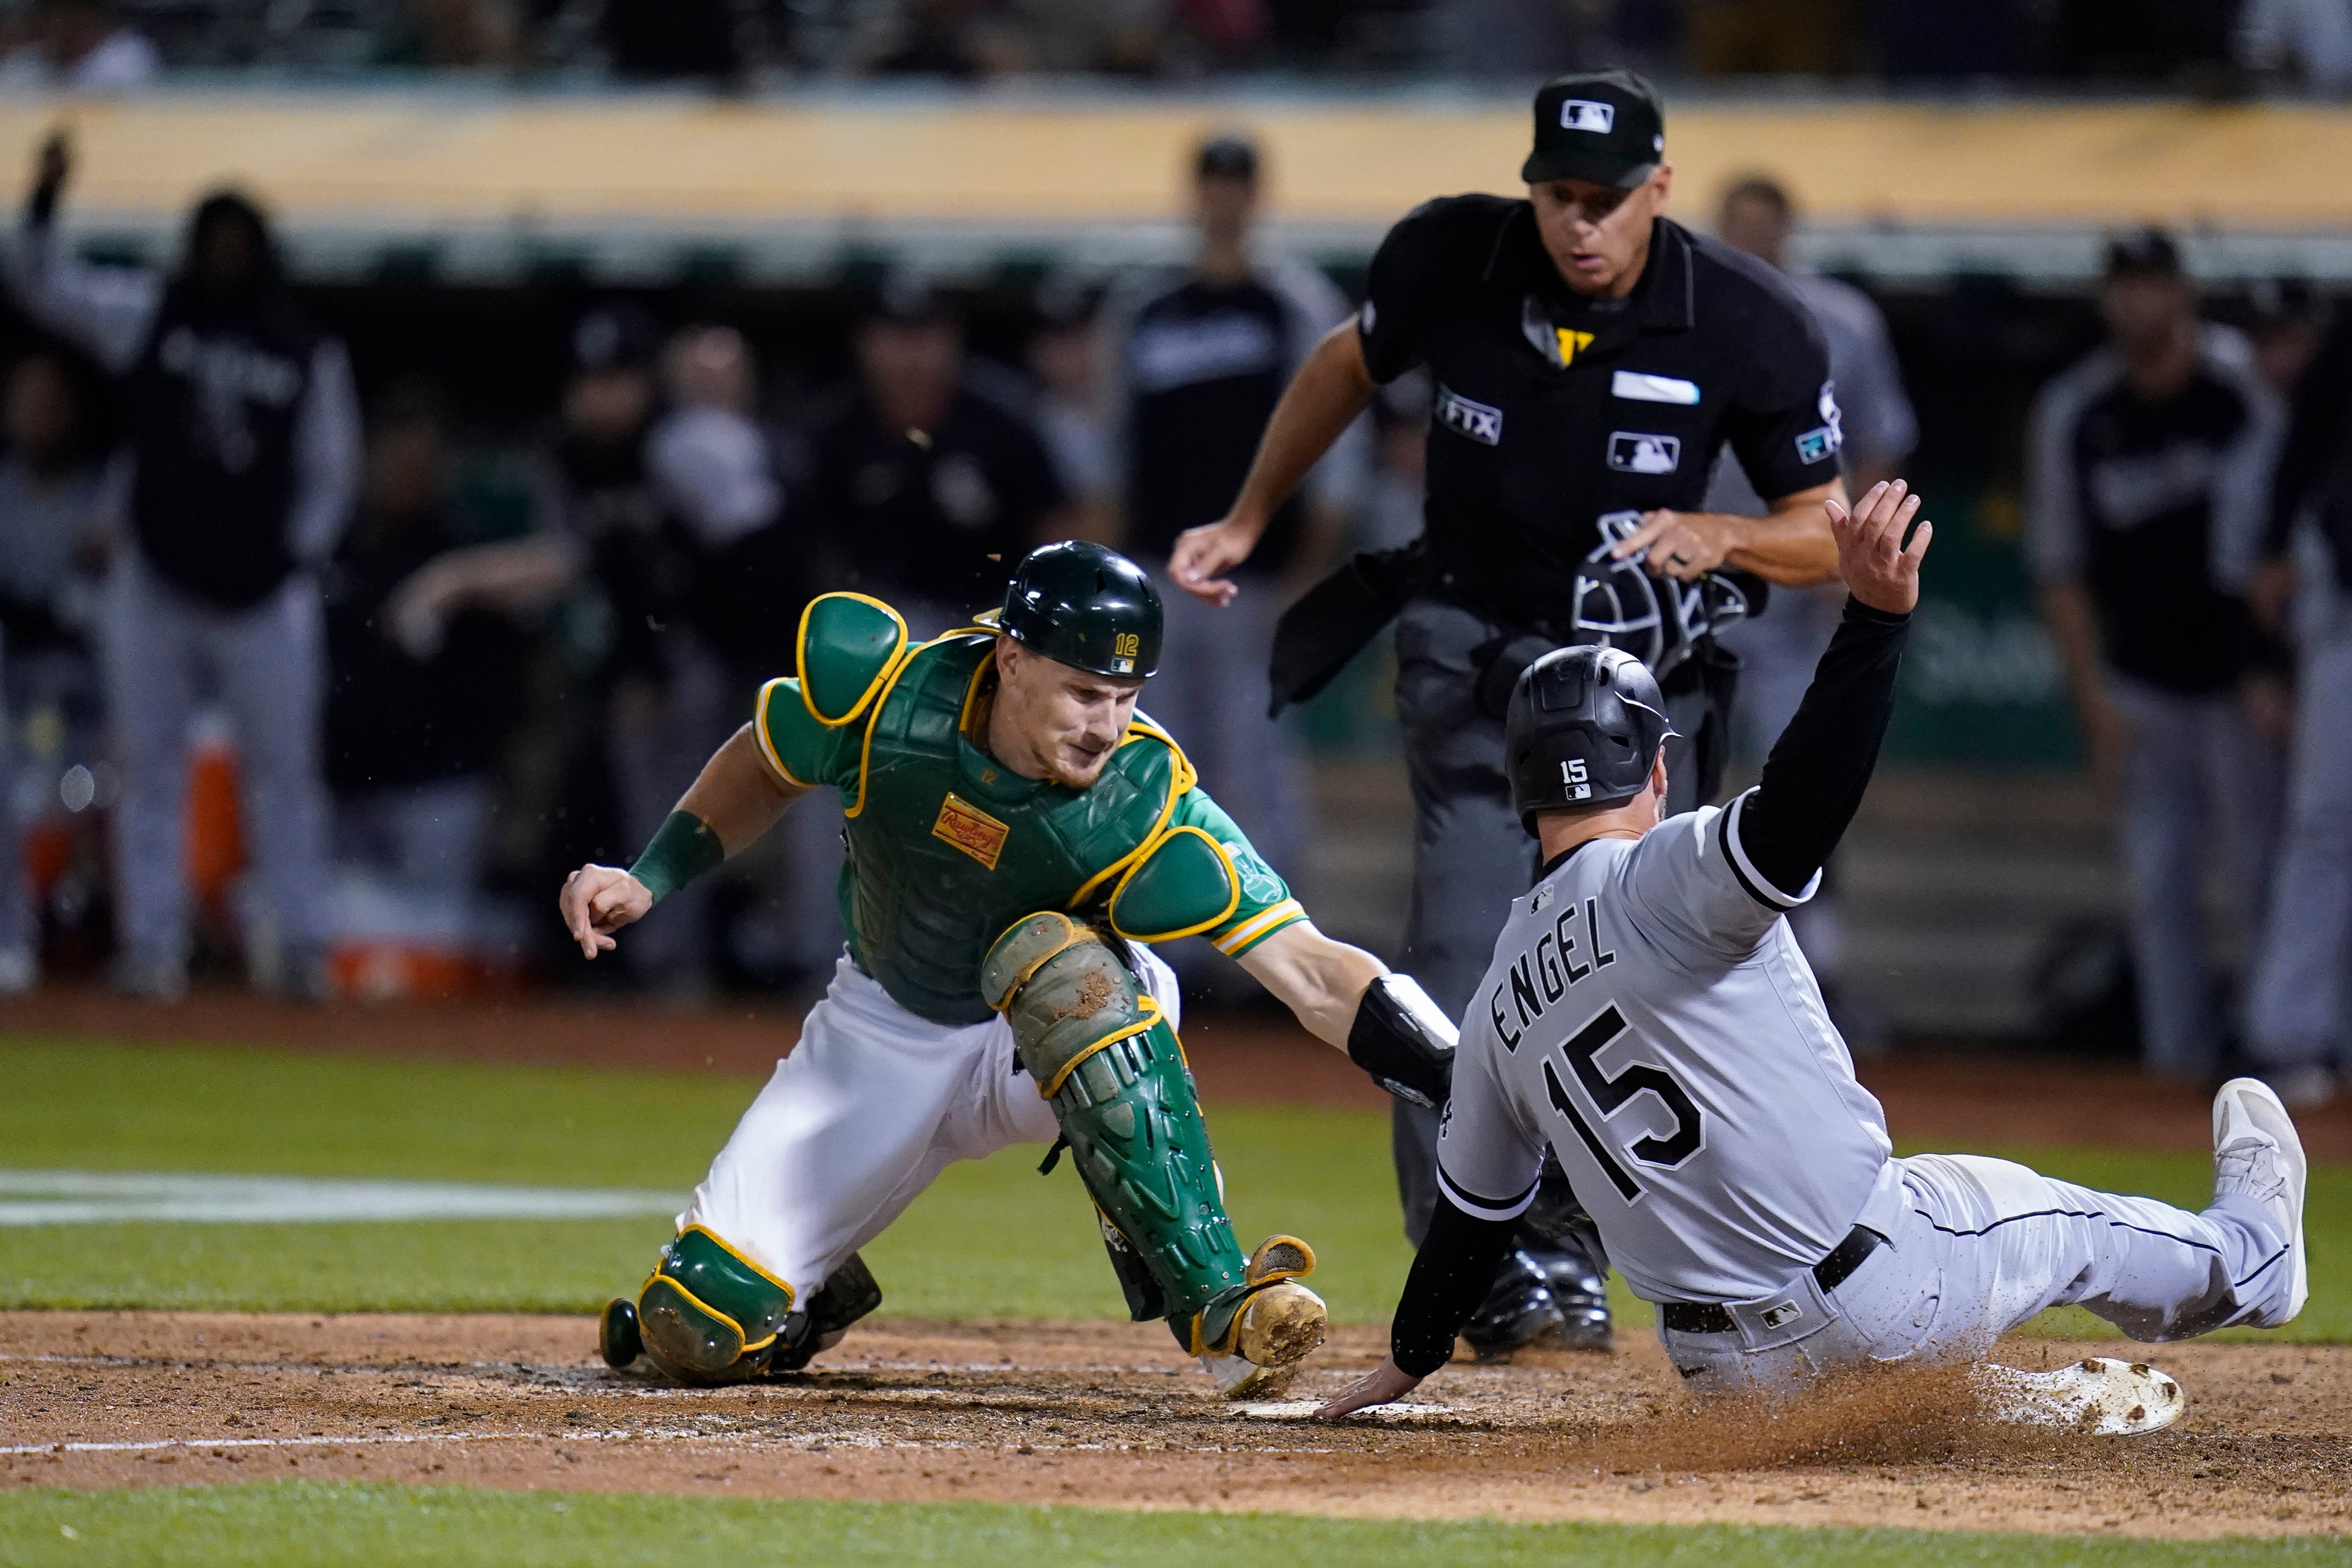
(1603, 126)
(1582, 730)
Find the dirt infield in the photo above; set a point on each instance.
(1107, 1414)
(2014, 1097)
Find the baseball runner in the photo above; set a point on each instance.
(1650, 1019)
(1015, 830)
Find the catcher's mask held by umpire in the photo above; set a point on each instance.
(1657, 620)
(1584, 729)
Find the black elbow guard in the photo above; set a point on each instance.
(1403, 1041)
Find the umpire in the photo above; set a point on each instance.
(1590, 359)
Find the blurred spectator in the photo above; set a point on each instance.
(2308, 39)
(1949, 40)
(1064, 355)
(928, 486)
(1516, 39)
(655, 40)
(1774, 37)
(452, 35)
(1197, 360)
(79, 46)
(414, 727)
(1778, 650)
(2149, 468)
(960, 39)
(243, 446)
(2296, 1013)
(50, 497)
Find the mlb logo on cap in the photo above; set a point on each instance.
(1601, 126)
(1585, 114)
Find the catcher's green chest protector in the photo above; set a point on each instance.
(948, 847)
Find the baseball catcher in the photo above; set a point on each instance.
(1648, 1017)
(1018, 833)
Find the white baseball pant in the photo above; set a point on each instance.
(871, 1106)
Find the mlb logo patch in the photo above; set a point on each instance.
(1636, 452)
(1465, 417)
(1815, 446)
(1584, 114)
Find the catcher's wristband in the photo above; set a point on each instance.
(682, 850)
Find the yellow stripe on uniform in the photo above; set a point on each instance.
(1259, 926)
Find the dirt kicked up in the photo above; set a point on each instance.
(1109, 1415)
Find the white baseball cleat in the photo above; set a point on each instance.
(2257, 1155)
(2098, 1395)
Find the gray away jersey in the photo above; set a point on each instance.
(1654, 1021)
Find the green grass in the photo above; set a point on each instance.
(320, 1526)
(991, 1239)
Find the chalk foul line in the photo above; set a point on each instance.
(102, 1197)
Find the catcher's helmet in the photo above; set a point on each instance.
(1085, 606)
(1583, 728)
(1657, 620)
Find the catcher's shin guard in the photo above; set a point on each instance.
(1110, 1063)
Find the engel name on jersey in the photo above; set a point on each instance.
(1651, 1019)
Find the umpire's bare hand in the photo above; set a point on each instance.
(598, 900)
(1877, 568)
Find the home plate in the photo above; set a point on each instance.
(2097, 1394)
(1304, 1409)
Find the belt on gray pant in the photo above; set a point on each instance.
(1707, 1318)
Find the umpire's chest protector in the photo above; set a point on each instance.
(948, 847)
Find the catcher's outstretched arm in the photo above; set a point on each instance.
(1319, 979)
(735, 798)
(1345, 997)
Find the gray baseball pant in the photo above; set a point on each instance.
(2195, 774)
(163, 652)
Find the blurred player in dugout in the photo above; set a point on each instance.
(1195, 358)
(243, 462)
(2147, 496)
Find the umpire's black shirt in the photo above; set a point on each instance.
(1553, 409)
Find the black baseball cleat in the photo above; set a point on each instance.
(618, 1340)
(1518, 1312)
(1579, 1289)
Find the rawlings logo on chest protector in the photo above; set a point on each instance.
(970, 829)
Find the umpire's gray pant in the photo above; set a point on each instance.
(267, 665)
(2196, 777)
(2295, 1006)
(1470, 855)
